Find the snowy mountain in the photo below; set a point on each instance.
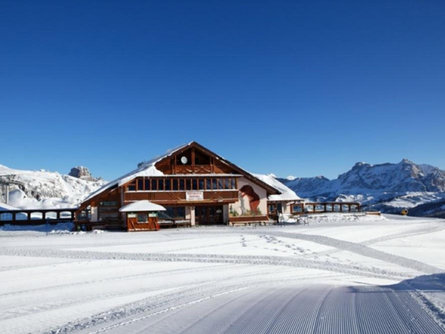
(387, 187)
(44, 189)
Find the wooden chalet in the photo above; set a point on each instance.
(194, 185)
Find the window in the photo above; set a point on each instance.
(233, 184)
(154, 184)
(161, 184)
(201, 184)
(226, 183)
(172, 212)
(297, 208)
(279, 208)
(181, 184)
(140, 184)
(195, 184)
(142, 217)
(271, 208)
(175, 184)
(188, 184)
(167, 184)
(208, 184)
(147, 184)
(214, 184)
(132, 186)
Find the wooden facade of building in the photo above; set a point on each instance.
(193, 184)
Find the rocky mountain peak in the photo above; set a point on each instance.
(81, 172)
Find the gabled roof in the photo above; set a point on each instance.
(245, 173)
(287, 194)
(141, 206)
(148, 168)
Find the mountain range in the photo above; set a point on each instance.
(388, 187)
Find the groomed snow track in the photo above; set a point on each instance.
(281, 310)
(222, 280)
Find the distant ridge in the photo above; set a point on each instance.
(388, 186)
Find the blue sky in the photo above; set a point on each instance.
(290, 87)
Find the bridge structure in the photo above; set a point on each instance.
(37, 216)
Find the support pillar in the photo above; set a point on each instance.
(192, 216)
(7, 194)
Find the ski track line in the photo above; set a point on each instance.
(271, 313)
(233, 314)
(141, 306)
(381, 310)
(362, 250)
(337, 312)
(297, 316)
(321, 312)
(151, 326)
(156, 305)
(110, 279)
(215, 258)
(248, 322)
(416, 232)
(160, 327)
(33, 309)
(175, 305)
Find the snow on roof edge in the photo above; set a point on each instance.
(146, 169)
(286, 194)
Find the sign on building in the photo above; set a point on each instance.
(194, 195)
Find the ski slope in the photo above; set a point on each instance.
(335, 274)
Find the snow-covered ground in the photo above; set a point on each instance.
(334, 274)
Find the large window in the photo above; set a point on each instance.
(172, 212)
(181, 184)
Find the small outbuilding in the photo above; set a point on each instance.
(142, 215)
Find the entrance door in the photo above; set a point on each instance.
(209, 215)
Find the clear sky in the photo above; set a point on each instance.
(290, 87)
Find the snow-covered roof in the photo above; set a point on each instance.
(141, 206)
(147, 168)
(287, 194)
